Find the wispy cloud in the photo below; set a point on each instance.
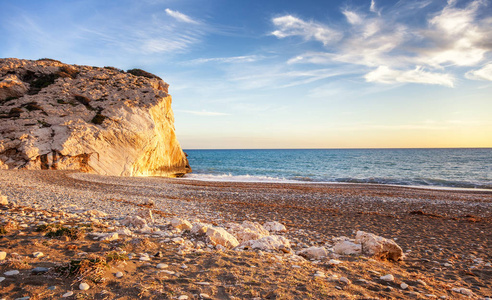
(385, 74)
(202, 113)
(292, 26)
(233, 59)
(484, 73)
(180, 16)
(393, 50)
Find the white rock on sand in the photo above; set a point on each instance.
(271, 242)
(274, 226)
(313, 252)
(200, 228)
(134, 221)
(181, 224)
(347, 248)
(219, 236)
(3, 200)
(380, 247)
(84, 286)
(3, 254)
(247, 231)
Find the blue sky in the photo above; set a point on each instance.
(286, 74)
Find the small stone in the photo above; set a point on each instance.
(119, 274)
(37, 254)
(168, 272)
(2, 279)
(3, 254)
(334, 262)
(388, 277)
(84, 286)
(404, 286)
(10, 273)
(144, 258)
(345, 280)
(463, 291)
(3, 200)
(319, 274)
(23, 298)
(448, 265)
(183, 297)
(52, 288)
(67, 294)
(39, 270)
(161, 266)
(205, 296)
(203, 283)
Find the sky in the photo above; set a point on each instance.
(286, 74)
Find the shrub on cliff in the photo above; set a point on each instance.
(140, 72)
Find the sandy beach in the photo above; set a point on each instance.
(446, 236)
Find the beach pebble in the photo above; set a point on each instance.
(3, 200)
(168, 272)
(345, 280)
(144, 258)
(67, 294)
(334, 262)
(3, 254)
(2, 279)
(203, 283)
(52, 288)
(463, 291)
(388, 277)
(118, 274)
(38, 254)
(161, 266)
(84, 286)
(205, 296)
(404, 286)
(183, 297)
(10, 273)
(319, 274)
(38, 270)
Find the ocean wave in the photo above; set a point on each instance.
(236, 178)
(417, 182)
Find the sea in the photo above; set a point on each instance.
(433, 168)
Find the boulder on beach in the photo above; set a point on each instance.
(378, 246)
(313, 252)
(101, 120)
(219, 236)
(347, 248)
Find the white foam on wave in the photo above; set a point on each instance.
(237, 178)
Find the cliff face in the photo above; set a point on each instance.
(101, 120)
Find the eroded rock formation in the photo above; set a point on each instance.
(101, 120)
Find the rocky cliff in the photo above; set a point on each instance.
(101, 120)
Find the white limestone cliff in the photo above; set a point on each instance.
(100, 120)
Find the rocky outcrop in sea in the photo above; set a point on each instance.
(100, 120)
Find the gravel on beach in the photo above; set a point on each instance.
(446, 234)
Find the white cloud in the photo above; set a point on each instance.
(388, 44)
(233, 59)
(180, 16)
(292, 26)
(484, 73)
(202, 113)
(384, 74)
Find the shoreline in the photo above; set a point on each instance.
(446, 235)
(322, 183)
(289, 181)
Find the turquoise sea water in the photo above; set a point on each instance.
(451, 168)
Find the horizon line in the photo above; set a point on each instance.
(348, 148)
